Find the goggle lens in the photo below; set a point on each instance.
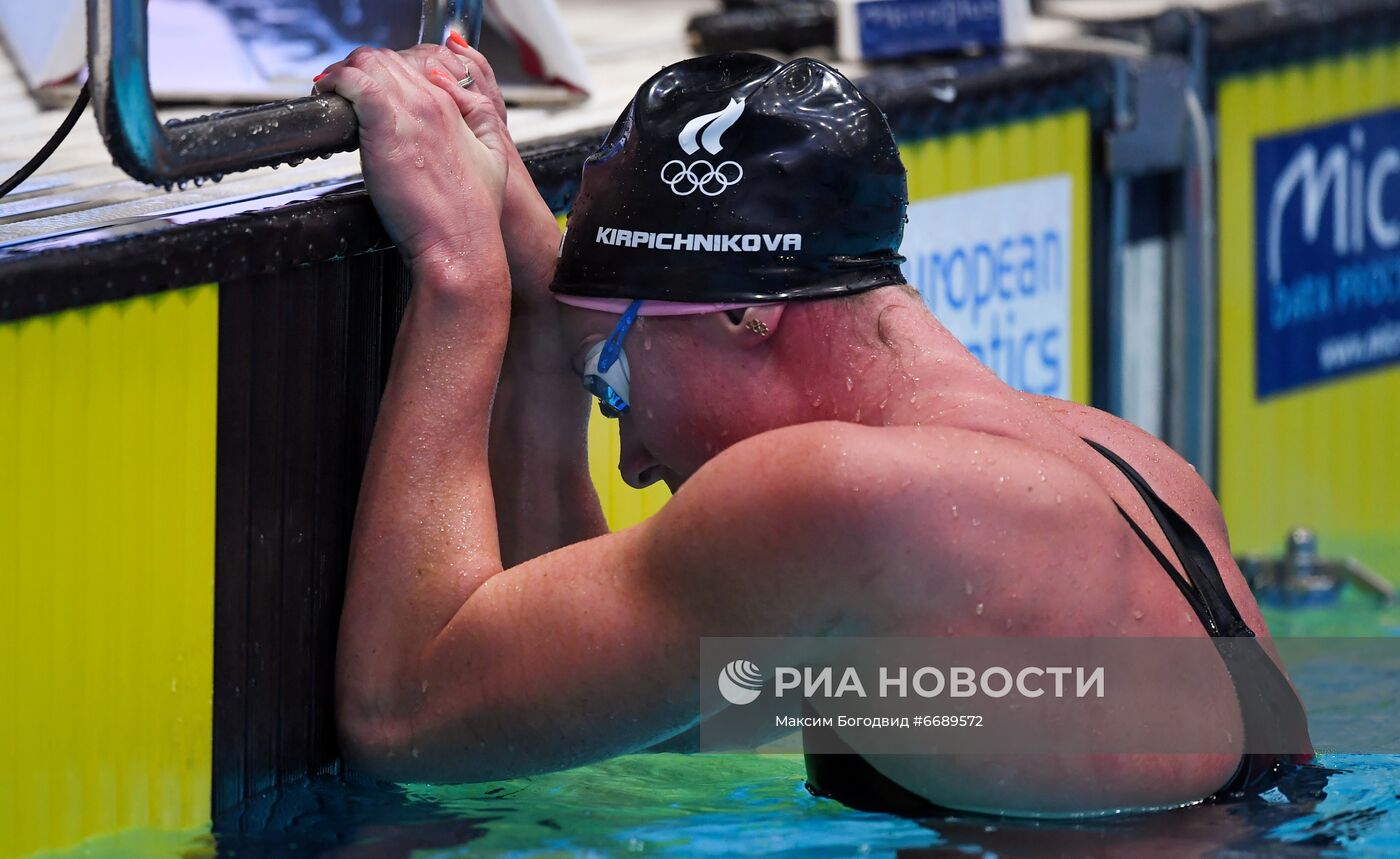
(605, 372)
(610, 386)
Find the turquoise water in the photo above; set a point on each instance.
(723, 805)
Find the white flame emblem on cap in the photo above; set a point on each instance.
(719, 122)
(705, 132)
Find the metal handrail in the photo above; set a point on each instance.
(207, 147)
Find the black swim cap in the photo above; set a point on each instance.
(736, 178)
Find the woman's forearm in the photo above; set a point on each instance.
(539, 453)
(425, 532)
(539, 457)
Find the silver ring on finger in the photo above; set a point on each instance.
(468, 80)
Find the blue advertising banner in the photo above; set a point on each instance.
(1327, 252)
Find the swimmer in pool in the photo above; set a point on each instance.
(729, 289)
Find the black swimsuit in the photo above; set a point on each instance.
(1268, 705)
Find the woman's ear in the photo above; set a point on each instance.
(754, 325)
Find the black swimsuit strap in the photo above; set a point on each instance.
(1203, 587)
(1272, 714)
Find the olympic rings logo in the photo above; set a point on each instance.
(709, 179)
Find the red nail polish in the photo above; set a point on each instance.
(318, 77)
(455, 37)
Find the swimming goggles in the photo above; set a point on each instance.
(605, 372)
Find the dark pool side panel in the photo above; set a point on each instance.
(303, 356)
(304, 353)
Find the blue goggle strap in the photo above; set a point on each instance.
(613, 347)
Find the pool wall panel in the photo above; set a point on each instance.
(1323, 455)
(107, 450)
(303, 357)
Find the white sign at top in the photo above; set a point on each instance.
(994, 266)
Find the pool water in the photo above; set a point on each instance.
(723, 805)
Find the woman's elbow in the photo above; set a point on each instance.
(372, 741)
